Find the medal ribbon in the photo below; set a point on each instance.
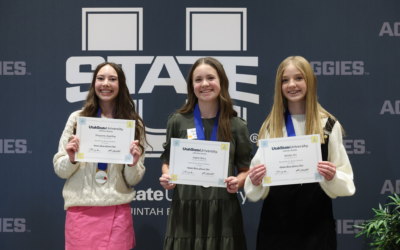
(101, 166)
(199, 125)
(289, 124)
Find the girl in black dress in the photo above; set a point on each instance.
(300, 216)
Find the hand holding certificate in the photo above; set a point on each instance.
(194, 162)
(105, 140)
(291, 160)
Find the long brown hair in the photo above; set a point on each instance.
(125, 107)
(314, 111)
(225, 101)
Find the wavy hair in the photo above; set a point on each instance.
(225, 101)
(125, 107)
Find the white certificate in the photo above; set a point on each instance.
(198, 162)
(291, 160)
(105, 140)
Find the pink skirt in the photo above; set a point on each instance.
(99, 228)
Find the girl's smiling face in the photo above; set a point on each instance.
(294, 86)
(206, 83)
(107, 85)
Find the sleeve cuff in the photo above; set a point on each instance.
(70, 164)
(338, 186)
(255, 193)
(165, 156)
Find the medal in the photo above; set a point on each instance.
(200, 129)
(289, 124)
(101, 173)
(101, 177)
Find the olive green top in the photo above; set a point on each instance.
(207, 218)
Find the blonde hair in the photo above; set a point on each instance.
(314, 111)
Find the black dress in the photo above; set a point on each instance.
(298, 216)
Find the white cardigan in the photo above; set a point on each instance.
(81, 188)
(341, 185)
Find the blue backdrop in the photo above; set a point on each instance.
(48, 50)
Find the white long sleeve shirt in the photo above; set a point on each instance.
(81, 188)
(341, 185)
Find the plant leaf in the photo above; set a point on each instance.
(394, 199)
(360, 234)
(369, 229)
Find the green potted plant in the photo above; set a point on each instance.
(384, 228)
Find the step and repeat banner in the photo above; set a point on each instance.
(49, 49)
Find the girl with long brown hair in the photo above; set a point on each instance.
(207, 217)
(300, 216)
(99, 214)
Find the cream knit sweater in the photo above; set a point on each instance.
(81, 188)
(341, 185)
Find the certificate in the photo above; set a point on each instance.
(105, 140)
(291, 160)
(198, 162)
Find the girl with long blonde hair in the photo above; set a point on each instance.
(300, 216)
